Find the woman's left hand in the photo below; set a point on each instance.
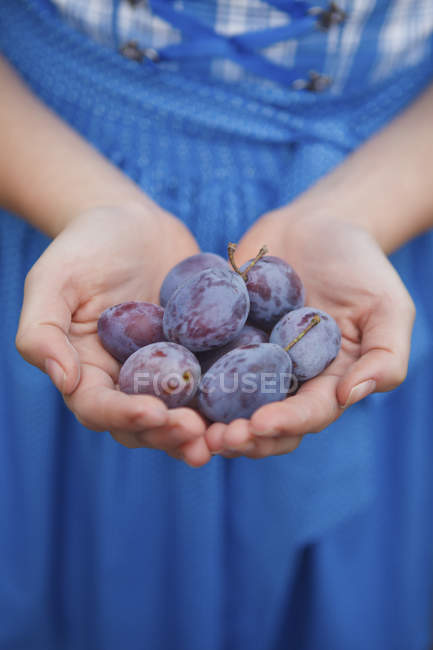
(346, 274)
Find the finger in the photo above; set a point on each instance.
(385, 349)
(214, 436)
(132, 441)
(44, 324)
(239, 441)
(278, 446)
(196, 453)
(98, 406)
(226, 453)
(258, 448)
(236, 436)
(129, 440)
(183, 425)
(312, 409)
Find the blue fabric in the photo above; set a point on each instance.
(205, 42)
(101, 547)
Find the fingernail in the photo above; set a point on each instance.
(55, 373)
(359, 392)
(263, 432)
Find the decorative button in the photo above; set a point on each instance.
(329, 17)
(132, 51)
(135, 3)
(315, 84)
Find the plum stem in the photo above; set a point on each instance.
(311, 324)
(244, 274)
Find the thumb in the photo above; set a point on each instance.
(42, 337)
(385, 349)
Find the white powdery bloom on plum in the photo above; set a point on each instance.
(316, 349)
(185, 270)
(243, 380)
(274, 288)
(124, 328)
(166, 370)
(208, 310)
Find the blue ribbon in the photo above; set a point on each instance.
(203, 41)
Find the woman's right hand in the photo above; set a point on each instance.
(103, 257)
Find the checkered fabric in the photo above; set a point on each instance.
(402, 39)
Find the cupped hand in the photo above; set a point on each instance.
(104, 257)
(347, 275)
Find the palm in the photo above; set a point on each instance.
(124, 263)
(345, 274)
(121, 267)
(340, 270)
(339, 266)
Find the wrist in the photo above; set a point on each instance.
(391, 217)
(319, 211)
(52, 218)
(384, 187)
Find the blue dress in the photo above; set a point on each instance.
(328, 548)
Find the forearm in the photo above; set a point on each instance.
(386, 186)
(48, 173)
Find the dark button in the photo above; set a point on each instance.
(135, 3)
(326, 18)
(315, 84)
(132, 51)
